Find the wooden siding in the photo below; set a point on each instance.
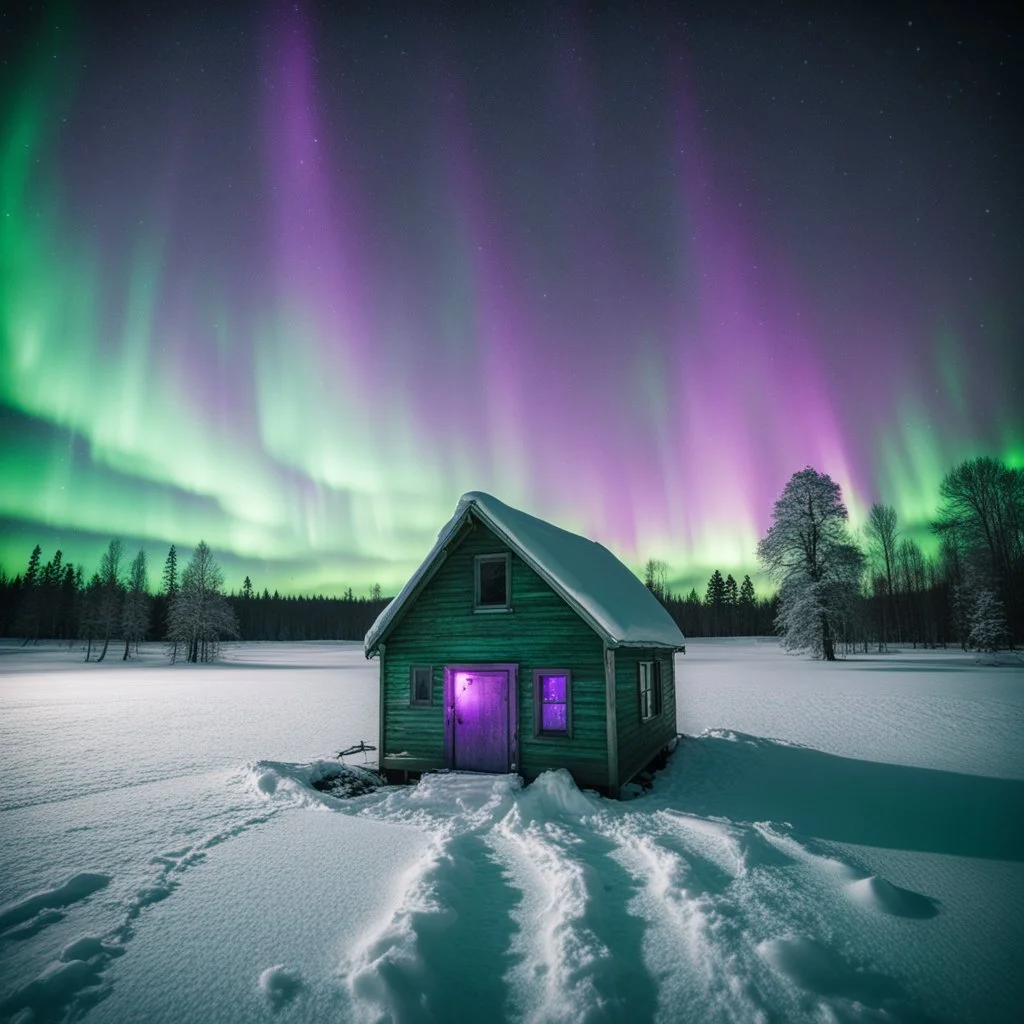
(640, 741)
(541, 631)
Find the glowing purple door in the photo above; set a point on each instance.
(480, 721)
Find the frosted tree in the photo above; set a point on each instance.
(808, 552)
(200, 615)
(986, 620)
(135, 613)
(111, 592)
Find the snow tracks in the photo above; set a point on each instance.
(546, 904)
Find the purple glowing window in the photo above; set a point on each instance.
(552, 692)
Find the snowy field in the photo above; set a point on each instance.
(829, 843)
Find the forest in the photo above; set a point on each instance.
(837, 590)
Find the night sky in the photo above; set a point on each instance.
(291, 278)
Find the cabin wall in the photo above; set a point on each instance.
(640, 741)
(541, 631)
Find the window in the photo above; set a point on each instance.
(421, 684)
(551, 693)
(649, 687)
(491, 591)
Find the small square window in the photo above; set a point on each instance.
(420, 685)
(492, 582)
(551, 693)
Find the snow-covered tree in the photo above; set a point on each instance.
(987, 621)
(808, 552)
(135, 613)
(200, 614)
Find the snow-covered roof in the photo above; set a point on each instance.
(605, 593)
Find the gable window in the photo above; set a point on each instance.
(649, 689)
(421, 684)
(491, 590)
(551, 702)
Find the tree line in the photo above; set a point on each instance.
(835, 591)
(838, 591)
(728, 608)
(189, 611)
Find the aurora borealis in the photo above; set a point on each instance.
(291, 278)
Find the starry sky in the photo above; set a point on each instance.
(291, 277)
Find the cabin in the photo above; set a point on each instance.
(520, 647)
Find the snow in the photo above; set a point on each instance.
(604, 591)
(828, 843)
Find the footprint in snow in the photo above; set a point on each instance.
(280, 985)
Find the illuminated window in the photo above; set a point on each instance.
(420, 685)
(649, 687)
(551, 701)
(491, 590)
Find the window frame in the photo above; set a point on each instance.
(413, 701)
(538, 703)
(478, 561)
(654, 691)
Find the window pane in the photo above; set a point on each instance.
(421, 685)
(553, 717)
(552, 689)
(492, 581)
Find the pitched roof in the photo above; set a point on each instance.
(605, 593)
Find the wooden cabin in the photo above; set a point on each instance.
(520, 647)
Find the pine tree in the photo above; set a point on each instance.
(732, 597)
(747, 607)
(808, 551)
(714, 600)
(169, 576)
(247, 589)
(31, 598)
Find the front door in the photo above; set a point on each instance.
(480, 713)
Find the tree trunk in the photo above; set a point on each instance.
(127, 644)
(103, 653)
(828, 645)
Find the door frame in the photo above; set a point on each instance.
(512, 671)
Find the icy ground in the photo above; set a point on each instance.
(830, 843)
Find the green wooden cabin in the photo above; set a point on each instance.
(520, 647)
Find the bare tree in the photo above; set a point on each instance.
(135, 614)
(882, 534)
(200, 614)
(983, 506)
(808, 552)
(655, 576)
(111, 591)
